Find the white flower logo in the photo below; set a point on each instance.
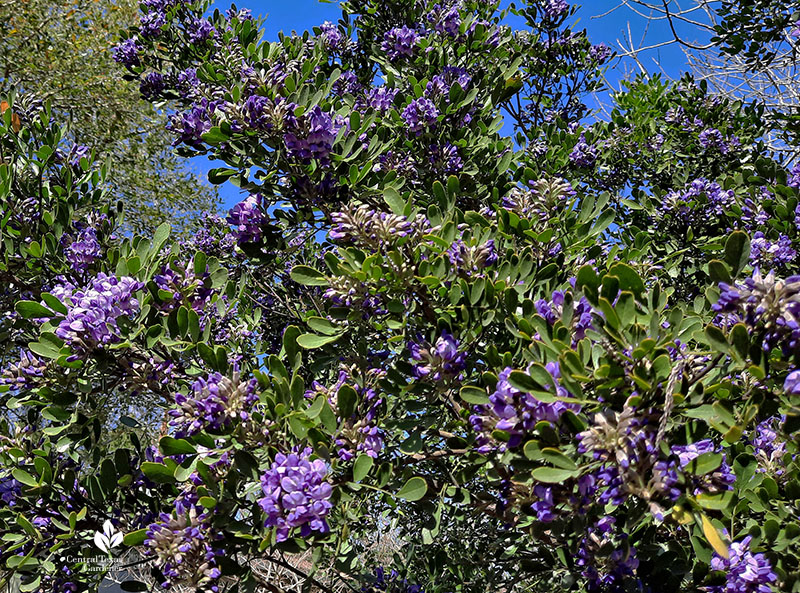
(107, 539)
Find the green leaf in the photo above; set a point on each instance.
(361, 467)
(158, 472)
(171, 446)
(737, 251)
(414, 489)
(716, 501)
(346, 401)
(53, 302)
(628, 278)
(393, 199)
(160, 236)
(135, 538)
(704, 464)
(24, 477)
(716, 338)
(308, 276)
(558, 459)
(552, 475)
(311, 341)
(474, 395)
(32, 310)
(718, 271)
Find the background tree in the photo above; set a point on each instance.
(61, 52)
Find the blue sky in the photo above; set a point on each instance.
(610, 28)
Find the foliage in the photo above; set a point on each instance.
(60, 52)
(561, 363)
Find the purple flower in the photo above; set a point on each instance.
(92, 313)
(768, 446)
(420, 114)
(439, 86)
(771, 254)
(722, 478)
(151, 24)
(445, 158)
(247, 219)
(441, 360)
(200, 31)
(792, 384)
(794, 177)
(127, 53)
(516, 412)
(190, 125)
(24, 373)
(445, 18)
(600, 53)
(330, 35)
(745, 572)
(183, 548)
(555, 8)
(314, 137)
(399, 43)
(83, 250)
(583, 154)
(552, 311)
(606, 559)
(152, 85)
(391, 584)
(765, 304)
(296, 494)
(214, 404)
(78, 152)
(469, 260)
(381, 98)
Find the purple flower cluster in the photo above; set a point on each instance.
(200, 31)
(190, 125)
(713, 139)
(314, 137)
(768, 446)
(445, 158)
(183, 546)
(720, 479)
(583, 154)
(92, 314)
(701, 202)
(296, 494)
(247, 219)
(765, 304)
(553, 9)
(600, 53)
(626, 444)
(83, 250)
(552, 311)
(381, 98)
(606, 559)
(179, 284)
(794, 177)
(365, 226)
(745, 572)
(215, 403)
(330, 35)
(24, 373)
(420, 114)
(359, 432)
(399, 42)
(516, 412)
(445, 18)
(542, 200)
(440, 361)
(440, 84)
(151, 85)
(469, 260)
(127, 53)
(766, 254)
(391, 583)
